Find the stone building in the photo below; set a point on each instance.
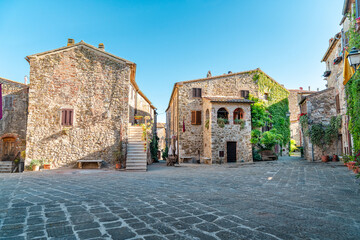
(197, 109)
(294, 97)
(161, 133)
(82, 101)
(13, 122)
(319, 107)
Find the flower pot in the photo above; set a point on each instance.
(47, 166)
(335, 158)
(118, 166)
(325, 158)
(356, 170)
(351, 165)
(35, 168)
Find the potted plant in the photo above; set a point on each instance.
(65, 131)
(335, 158)
(46, 164)
(241, 122)
(35, 164)
(119, 156)
(222, 121)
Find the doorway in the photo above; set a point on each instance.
(231, 151)
(8, 149)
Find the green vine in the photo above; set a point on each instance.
(352, 89)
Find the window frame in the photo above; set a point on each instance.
(195, 117)
(67, 117)
(244, 94)
(196, 92)
(9, 104)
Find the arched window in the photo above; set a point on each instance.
(238, 114)
(223, 114)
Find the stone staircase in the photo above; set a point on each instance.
(5, 166)
(136, 156)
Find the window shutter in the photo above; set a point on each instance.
(357, 8)
(337, 100)
(193, 117)
(246, 94)
(70, 122)
(194, 92)
(199, 92)
(198, 117)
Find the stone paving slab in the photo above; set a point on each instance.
(285, 199)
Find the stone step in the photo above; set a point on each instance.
(140, 169)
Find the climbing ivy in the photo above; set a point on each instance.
(352, 89)
(277, 105)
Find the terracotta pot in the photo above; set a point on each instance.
(118, 166)
(351, 165)
(35, 168)
(47, 166)
(325, 158)
(356, 170)
(335, 158)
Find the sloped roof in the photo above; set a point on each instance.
(79, 44)
(14, 82)
(331, 47)
(228, 100)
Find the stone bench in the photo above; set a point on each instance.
(80, 162)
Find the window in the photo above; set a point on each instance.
(244, 94)
(266, 96)
(221, 154)
(9, 102)
(196, 117)
(223, 114)
(196, 92)
(67, 116)
(357, 8)
(337, 100)
(238, 114)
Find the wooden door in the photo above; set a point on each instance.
(231, 152)
(8, 149)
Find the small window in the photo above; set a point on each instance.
(221, 154)
(67, 117)
(196, 117)
(244, 94)
(266, 96)
(9, 102)
(238, 114)
(196, 92)
(223, 114)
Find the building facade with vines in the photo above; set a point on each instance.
(210, 119)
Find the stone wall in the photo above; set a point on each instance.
(230, 133)
(13, 123)
(320, 108)
(96, 87)
(228, 85)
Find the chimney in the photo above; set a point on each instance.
(309, 88)
(101, 46)
(70, 42)
(208, 74)
(25, 79)
(330, 41)
(301, 88)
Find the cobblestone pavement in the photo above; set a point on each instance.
(285, 199)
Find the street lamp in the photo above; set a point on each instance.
(287, 114)
(354, 58)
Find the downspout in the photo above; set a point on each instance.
(178, 127)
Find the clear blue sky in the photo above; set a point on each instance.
(173, 41)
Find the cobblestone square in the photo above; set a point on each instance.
(285, 199)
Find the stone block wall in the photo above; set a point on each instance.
(13, 123)
(96, 87)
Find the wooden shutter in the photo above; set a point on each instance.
(67, 117)
(193, 117)
(70, 115)
(337, 100)
(198, 117)
(198, 92)
(63, 117)
(246, 94)
(194, 92)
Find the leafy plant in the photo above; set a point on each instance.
(222, 121)
(154, 148)
(304, 121)
(207, 123)
(35, 162)
(165, 153)
(293, 147)
(241, 122)
(270, 139)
